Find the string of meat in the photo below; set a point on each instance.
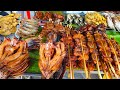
(105, 50)
(93, 52)
(114, 51)
(81, 50)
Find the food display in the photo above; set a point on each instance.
(51, 57)
(75, 19)
(50, 29)
(84, 48)
(48, 15)
(116, 21)
(95, 18)
(113, 20)
(28, 28)
(64, 44)
(93, 50)
(14, 58)
(8, 23)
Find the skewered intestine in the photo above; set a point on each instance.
(93, 52)
(81, 50)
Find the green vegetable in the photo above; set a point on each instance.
(116, 37)
(34, 57)
(44, 39)
(39, 29)
(113, 34)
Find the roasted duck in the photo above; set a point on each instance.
(51, 57)
(14, 58)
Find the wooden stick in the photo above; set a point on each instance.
(85, 68)
(71, 66)
(114, 51)
(98, 68)
(105, 73)
(110, 72)
(113, 70)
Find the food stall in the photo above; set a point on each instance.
(60, 45)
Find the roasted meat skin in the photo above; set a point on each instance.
(51, 57)
(15, 59)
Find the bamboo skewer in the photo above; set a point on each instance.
(89, 75)
(85, 67)
(113, 70)
(113, 52)
(96, 57)
(110, 72)
(105, 73)
(98, 68)
(71, 66)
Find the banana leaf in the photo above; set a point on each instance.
(113, 34)
(34, 57)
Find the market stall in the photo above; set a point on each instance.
(60, 45)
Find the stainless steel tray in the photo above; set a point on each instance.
(79, 74)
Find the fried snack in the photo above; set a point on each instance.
(95, 18)
(8, 23)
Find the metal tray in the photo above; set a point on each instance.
(79, 74)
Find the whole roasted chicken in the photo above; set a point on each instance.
(13, 58)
